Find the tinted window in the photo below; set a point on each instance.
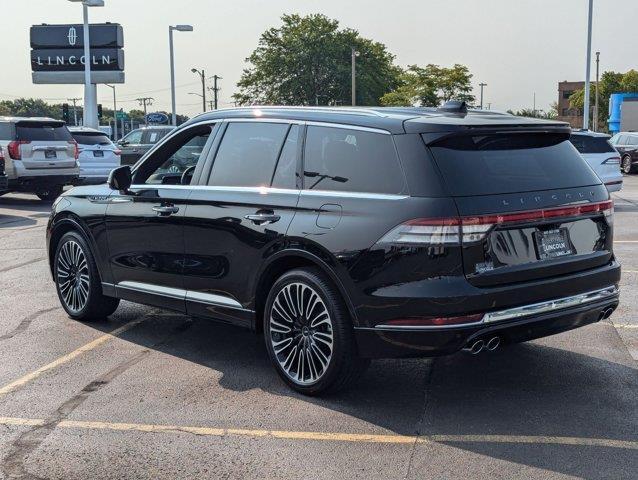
(35, 132)
(247, 154)
(91, 138)
(493, 164)
(589, 144)
(286, 172)
(155, 136)
(632, 140)
(134, 137)
(351, 160)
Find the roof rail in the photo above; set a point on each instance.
(346, 110)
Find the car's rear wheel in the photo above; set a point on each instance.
(77, 280)
(48, 194)
(309, 334)
(625, 165)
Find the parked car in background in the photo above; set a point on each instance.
(4, 182)
(40, 155)
(627, 145)
(600, 155)
(138, 142)
(347, 234)
(98, 155)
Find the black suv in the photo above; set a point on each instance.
(627, 145)
(348, 234)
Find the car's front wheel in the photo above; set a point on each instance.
(625, 165)
(309, 334)
(77, 280)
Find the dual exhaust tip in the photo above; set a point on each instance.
(479, 345)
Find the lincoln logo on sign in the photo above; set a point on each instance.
(73, 36)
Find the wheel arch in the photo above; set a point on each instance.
(287, 260)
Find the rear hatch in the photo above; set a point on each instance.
(45, 145)
(98, 155)
(530, 206)
(600, 156)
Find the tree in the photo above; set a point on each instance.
(610, 82)
(431, 86)
(550, 114)
(307, 61)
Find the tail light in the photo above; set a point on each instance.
(117, 152)
(14, 149)
(470, 229)
(76, 148)
(432, 321)
(612, 161)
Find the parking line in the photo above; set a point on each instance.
(69, 356)
(624, 325)
(327, 436)
(625, 241)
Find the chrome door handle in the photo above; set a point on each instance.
(165, 211)
(263, 218)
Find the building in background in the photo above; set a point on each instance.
(574, 116)
(623, 112)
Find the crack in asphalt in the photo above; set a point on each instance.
(14, 463)
(25, 323)
(12, 267)
(421, 424)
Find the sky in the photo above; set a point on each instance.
(517, 47)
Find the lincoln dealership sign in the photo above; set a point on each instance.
(57, 53)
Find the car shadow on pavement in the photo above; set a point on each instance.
(14, 221)
(520, 390)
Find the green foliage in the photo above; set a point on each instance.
(307, 61)
(431, 86)
(610, 82)
(550, 114)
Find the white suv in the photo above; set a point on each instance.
(40, 155)
(98, 155)
(601, 156)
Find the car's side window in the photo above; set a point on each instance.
(247, 154)
(285, 175)
(341, 159)
(174, 162)
(134, 137)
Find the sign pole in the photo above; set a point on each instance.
(90, 91)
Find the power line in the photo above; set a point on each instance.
(146, 101)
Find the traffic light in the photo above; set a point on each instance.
(99, 111)
(65, 113)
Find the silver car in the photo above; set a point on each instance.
(601, 156)
(98, 155)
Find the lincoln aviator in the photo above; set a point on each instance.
(346, 234)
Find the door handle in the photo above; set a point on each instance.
(263, 218)
(166, 210)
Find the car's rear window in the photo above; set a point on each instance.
(589, 144)
(510, 163)
(34, 132)
(91, 138)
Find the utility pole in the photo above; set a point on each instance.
(534, 108)
(215, 91)
(588, 67)
(145, 101)
(354, 55)
(202, 74)
(596, 101)
(75, 109)
(482, 85)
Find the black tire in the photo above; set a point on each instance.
(625, 165)
(308, 333)
(49, 194)
(96, 306)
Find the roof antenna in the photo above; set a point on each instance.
(454, 106)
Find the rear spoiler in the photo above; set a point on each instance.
(557, 129)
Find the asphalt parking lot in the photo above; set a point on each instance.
(151, 394)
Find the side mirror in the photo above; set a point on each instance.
(120, 179)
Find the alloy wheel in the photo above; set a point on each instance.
(626, 165)
(301, 333)
(73, 276)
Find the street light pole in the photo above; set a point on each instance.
(203, 75)
(179, 28)
(354, 76)
(114, 112)
(482, 85)
(588, 67)
(596, 100)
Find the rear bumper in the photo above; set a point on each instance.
(32, 183)
(4, 183)
(394, 343)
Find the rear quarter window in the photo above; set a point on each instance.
(589, 144)
(350, 160)
(510, 163)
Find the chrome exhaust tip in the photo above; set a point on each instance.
(475, 348)
(607, 312)
(493, 343)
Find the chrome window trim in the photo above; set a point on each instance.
(346, 126)
(260, 190)
(523, 311)
(262, 120)
(335, 193)
(179, 294)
